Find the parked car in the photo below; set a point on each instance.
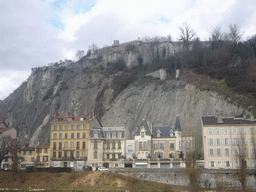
(103, 169)
(87, 168)
(96, 168)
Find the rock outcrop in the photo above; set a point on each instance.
(79, 89)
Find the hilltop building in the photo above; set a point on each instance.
(224, 139)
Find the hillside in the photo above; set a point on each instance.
(119, 99)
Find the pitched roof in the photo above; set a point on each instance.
(43, 145)
(58, 118)
(145, 126)
(28, 149)
(96, 130)
(4, 129)
(177, 124)
(212, 120)
(165, 131)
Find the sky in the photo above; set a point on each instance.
(34, 33)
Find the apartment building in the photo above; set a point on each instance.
(42, 155)
(107, 146)
(224, 139)
(69, 140)
(27, 156)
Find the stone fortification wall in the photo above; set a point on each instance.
(177, 176)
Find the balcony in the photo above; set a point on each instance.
(68, 148)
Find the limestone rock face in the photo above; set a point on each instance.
(79, 89)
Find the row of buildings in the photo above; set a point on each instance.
(77, 141)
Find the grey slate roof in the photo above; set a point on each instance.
(97, 130)
(177, 124)
(212, 120)
(165, 131)
(146, 127)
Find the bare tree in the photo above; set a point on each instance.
(216, 38)
(94, 48)
(191, 167)
(6, 146)
(187, 34)
(152, 47)
(253, 142)
(234, 33)
(15, 158)
(241, 156)
(80, 54)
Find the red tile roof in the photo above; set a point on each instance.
(4, 129)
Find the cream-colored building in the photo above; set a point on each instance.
(27, 156)
(107, 146)
(42, 155)
(223, 139)
(69, 140)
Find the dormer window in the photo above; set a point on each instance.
(95, 135)
(172, 133)
(142, 134)
(158, 133)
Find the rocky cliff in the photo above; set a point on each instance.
(79, 89)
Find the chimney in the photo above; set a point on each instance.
(56, 116)
(219, 119)
(90, 116)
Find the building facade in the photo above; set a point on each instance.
(224, 139)
(42, 155)
(107, 146)
(69, 140)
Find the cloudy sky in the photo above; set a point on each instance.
(36, 32)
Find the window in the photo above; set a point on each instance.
(78, 135)
(24, 152)
(226, 141)
(84, 135)
(83, 153)
(108, 145)
(77, 145)
(60, 154)
(155, 145)
(219, 152)
(60, 136)
(142, 144)
(235, 141)
(226, 131)
(161, 145)
(78, 127)
(55, 127)
(30, 152)
(119, 145)
(218, 141)
(212, 163)
(72, 135)
(158, 134)
(116, 165)
(234, 130)
(211, 152)
(77, 154)
(242, 130)
(119, 156)
(113, 145)
(95, 135)
(171, 133)
(252, 130)
(66, 135)
(61, 127)
(227, 152)
(210, 131)
(219, 164)
(210, 141)
(95, 154)
(66, 127)
(72, 154)
(72, 127)
(55, 136)
(54, 154)
(107, 156)
(72, 145)
(114, 135)
(142, 134)
(227, 163)
(95, 145)
(32, 159)
(113, 156)
(65, 154)
(171, 155)
(54, 145)
(60, 145)
(110, 135)
(130, 148)
(122, 134)
(218, 131)
(83, 126)
(159, 154)
(243, 141)
(66, 145)
(172, 145)
(84, 145)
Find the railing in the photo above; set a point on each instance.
(68, 148)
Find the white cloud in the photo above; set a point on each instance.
(35, 32)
